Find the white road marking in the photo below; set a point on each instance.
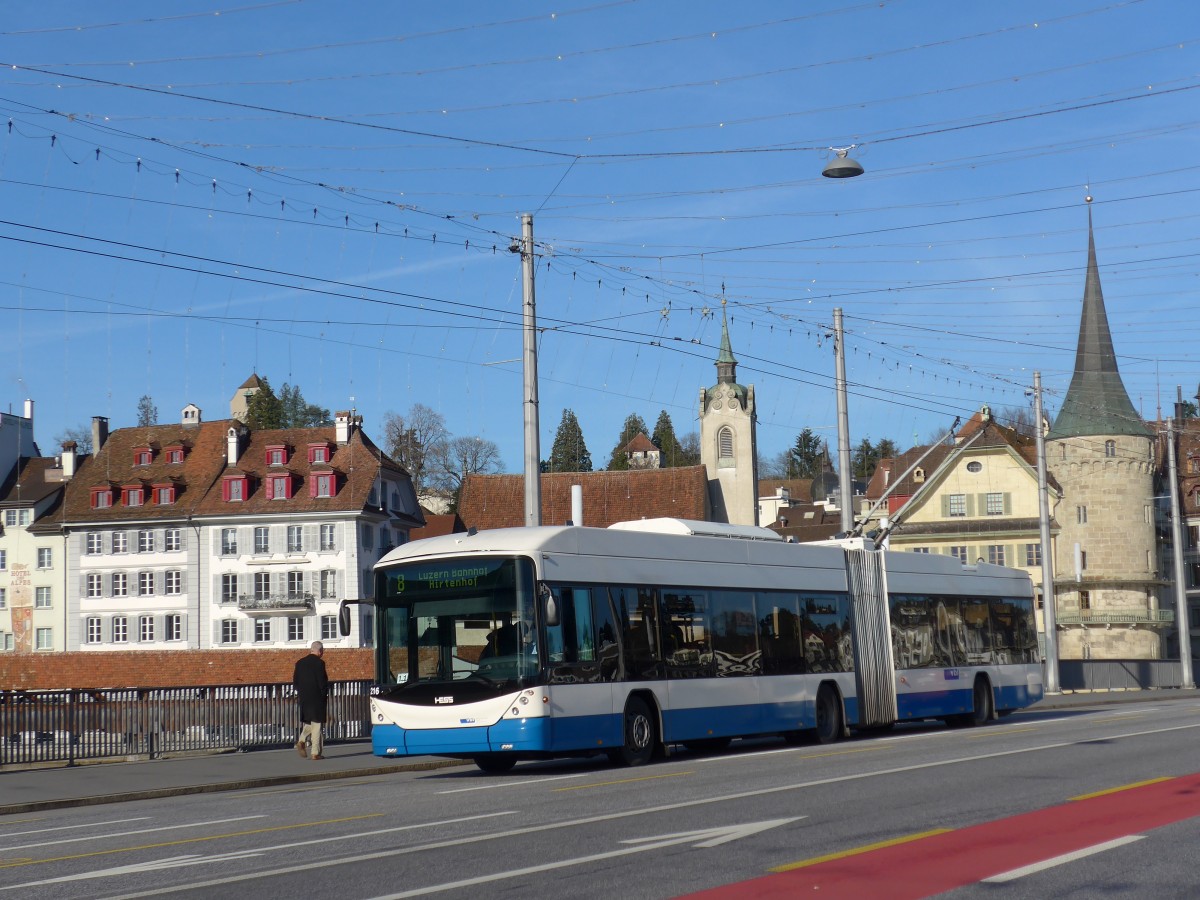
(68, 827)
(128, 833)
(1014, 874)
(708, 837)
(625, 814)
(506, 784)
(171, 862)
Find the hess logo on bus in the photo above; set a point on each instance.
(443, 699)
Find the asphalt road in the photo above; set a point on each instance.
(1052, 803)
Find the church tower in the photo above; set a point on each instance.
(1102, 454)
(728, 440)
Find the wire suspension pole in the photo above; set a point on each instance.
(845, 486)
(1182, 626)
(1049, 600)
(533, 453)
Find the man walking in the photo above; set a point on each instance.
(312, 685)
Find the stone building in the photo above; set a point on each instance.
(1101, 453)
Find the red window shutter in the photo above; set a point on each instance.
(312, 484)
(333, 484)
(225, 490)
(287, 487)
(270, 488)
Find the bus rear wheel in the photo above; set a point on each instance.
(639, 735)
(829, 715)
(496, 763)
(982, 696)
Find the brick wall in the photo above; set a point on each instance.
(169, 668)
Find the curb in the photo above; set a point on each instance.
(219, 787)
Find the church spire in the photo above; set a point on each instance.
(726, 364)
(1096, 402)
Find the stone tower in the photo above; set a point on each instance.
(1102, 454)
(240, 401)
(728, 440)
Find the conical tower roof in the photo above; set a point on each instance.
(1096, 402)
(726, 363)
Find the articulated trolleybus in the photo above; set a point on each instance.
(530, 643)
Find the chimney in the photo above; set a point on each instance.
(343, 423)
(233, 446)
(99, 433)
(68, 459)
(29, 410)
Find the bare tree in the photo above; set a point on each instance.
(459, 457)
(80, 434)
(416, 441)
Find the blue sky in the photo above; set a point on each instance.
(325, 194)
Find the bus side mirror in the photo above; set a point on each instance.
(344, 619)
(550, 604)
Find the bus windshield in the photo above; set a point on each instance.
(457, 619)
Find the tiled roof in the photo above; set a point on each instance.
(113, 467)
(498, 501)
(799, 489)
(28, 485)
(807, 522)
(437, 525)
(640, 444)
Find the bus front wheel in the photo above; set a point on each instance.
(829, 715)
(496, 763)
(982, 711)
(639, 735)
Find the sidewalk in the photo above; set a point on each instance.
(29, 790)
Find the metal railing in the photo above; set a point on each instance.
(68, 726)
(263, 602)
(1116, 617)
(1118, 674)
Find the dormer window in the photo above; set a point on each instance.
(322, 484)
(318, 453)
(133, 495)
(235, 488)
(277, 455)
(142, 456)
(918, 475)
(102, 498)
(279, 487)
(174, 454)
(164, 494)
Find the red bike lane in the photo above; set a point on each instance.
(908, 869)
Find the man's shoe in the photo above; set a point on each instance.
(301, 749)
(318, 756)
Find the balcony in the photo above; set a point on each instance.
(275, 603)
(1116, 617)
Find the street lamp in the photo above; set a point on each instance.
(842, 166)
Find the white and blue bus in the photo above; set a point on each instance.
(531, 643)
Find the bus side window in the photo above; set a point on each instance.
(639, 620)
(779, 635)
(608, 649)
(826, 633)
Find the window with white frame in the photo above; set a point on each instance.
(1033, 554)
(174, 540)
(164, 494)
(229, 588)
(3, 598)
(174, 581)
(3, 560)
(133, 496)
(918, 549)
(173, 627)
(328, 584)
(958, 504)
(262, 586)
(996, 554)
(328, 536)
(145, 584)
(24, 516)
(44, 639)
(295, 628)
(368, 536)
(120, 629)
(295, 585)
(7, 641)
(45, 558)
(120, 542)
(94, 588)
(959, 552)
(995, 504)
(229, 542)
(323, 485)
(41, 598)
(146, 628)
(120, 584)
(10, 518)
(92, 630)
(145, 541)
(262, 631)
(329, 628)
(95, 543)
(295, 538)
(262, 539)
(229, 631)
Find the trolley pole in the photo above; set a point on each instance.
(1181, 608)
(533, 453)
(845, 486)
(1049, 600)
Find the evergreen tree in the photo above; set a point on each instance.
(689, 447)
(570, 453)
(298, 413)
(806, 455)
(886, 449)
(634, 425)
(147, 412)
(664, 439)
(264, 409)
